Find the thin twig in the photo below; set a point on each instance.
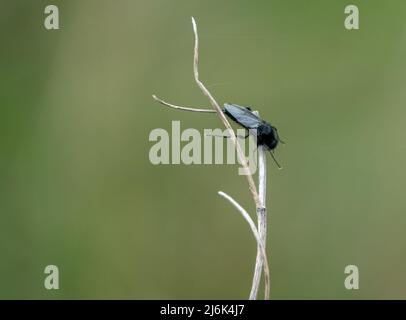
(170, 105)
(260, 243)
(262, 220)
(223, 118)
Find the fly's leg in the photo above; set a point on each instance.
(276, 161)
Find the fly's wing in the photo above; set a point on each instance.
(243, 116)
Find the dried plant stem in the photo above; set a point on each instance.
(257, 237)
(262, 221)
(223, 118)
(259, 199)
(170, 105)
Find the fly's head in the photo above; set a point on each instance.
(267, 135)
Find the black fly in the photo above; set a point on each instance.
(267, 135)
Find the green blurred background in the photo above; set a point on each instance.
(77, 189)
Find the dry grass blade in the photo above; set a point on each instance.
(257, 236)
(223, 118)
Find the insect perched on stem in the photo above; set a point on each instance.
(267, 135)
